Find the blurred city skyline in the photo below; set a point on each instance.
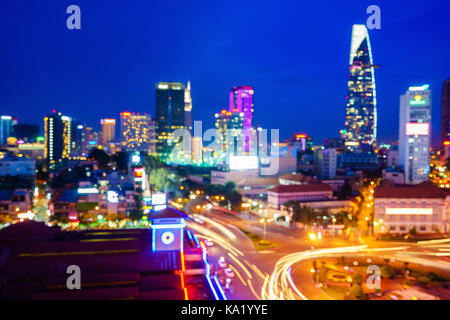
(298, 67)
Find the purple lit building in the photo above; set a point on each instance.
(241, 100)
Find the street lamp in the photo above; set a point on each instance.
(265, 221)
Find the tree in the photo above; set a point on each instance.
(101, 157)
(135, 214)
(121, 160)
(413, 231)
(357, 278)
(356, 292)
(387, 271)
(159, 178)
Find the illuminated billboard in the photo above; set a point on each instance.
(425, 211)
(243, 162)
(112, 196)
(87, 190)
(421, 129)
(418, 101)
(159, 199)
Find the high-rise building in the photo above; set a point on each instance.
(6, 128)
(229, 135)
(137, 132)
(414, 133)
(325, 163)
(188, 107)
(241, 101)
(445, 124)
(361, 111)
(78, 139)
(170, 115)
(108, 131)
(58, 137)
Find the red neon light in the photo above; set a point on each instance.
(446, 143)
(183, 268)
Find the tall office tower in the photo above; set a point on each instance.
(414, 133)
(78, 139)
(170, 110)
(221, 124)
(445, 124)
(188, 107)
(325, 163)
(236, 142)
(6, 128)
(241, 100)
(361, 112)
(108, 131)
(137, 132)
(58, 138)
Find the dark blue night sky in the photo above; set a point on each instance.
(294, 53)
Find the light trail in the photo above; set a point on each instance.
(253, 290)
(219, 226)
(281, 283)
(241, 265)
(238, 274)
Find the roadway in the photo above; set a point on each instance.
(273, 274)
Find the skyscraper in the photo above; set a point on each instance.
(170, 115)
(137, 132)
(414, 133)
(6, 128)
(361, 112)
(188, 107)
(58, 137)
(241, 100)
(229, 135)
(445, 124)
(108, 131)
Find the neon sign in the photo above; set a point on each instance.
(418, 101)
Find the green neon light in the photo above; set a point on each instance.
(416, 103)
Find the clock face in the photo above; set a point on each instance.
(167, 238)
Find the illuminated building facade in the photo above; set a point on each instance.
(58, 138)
(6, 128)
(170, 115)
(361, 111)
(188, 107)
(398, 208)
(108, 131)
(221, 125)
(445, 125)
(414, 133)
(241, 101)
(137, 132)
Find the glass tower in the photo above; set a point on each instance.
(414, 133)
(170, 115)
(361, 113)
(241, 101)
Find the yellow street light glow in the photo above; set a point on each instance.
(312, 236)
